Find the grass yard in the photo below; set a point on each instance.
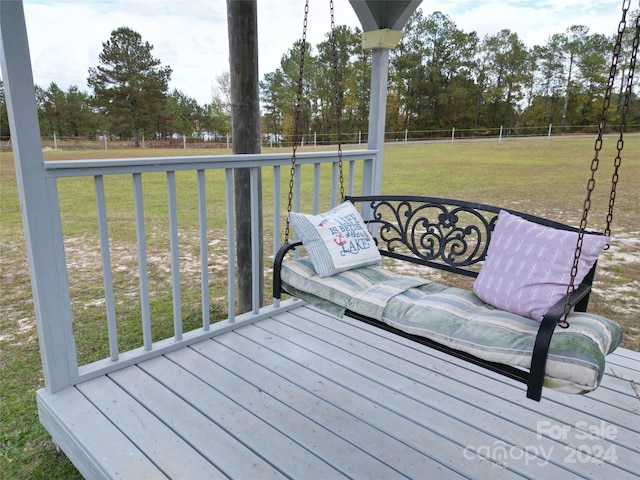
(541, 176)
(546, 178)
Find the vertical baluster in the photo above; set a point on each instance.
(143, 275)
(175, 257)
(276, 217)
(316, 187)
(255, 241)
(296, 199)
(204, 250)
(296, 193)
(352, 170)
(368, 173)
(335, 180)
(277, 231)
(231, 241)
(106, 267)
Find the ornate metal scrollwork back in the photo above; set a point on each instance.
(452, 234)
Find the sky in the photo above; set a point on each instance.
(190, 36)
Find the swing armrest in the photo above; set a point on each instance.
(277, 267)
(543, 340)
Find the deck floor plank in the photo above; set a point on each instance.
(171, 453)
(82, 432)
(214, 443)
(325, 401)
(282, 441)
(604, 401)
(513, 437)
(284, 417)
(305, 395)
(387, 409)
(577, 415)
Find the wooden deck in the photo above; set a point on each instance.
(304, 395)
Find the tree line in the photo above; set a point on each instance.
(130, 99)
(440, 76)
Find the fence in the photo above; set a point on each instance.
(315, 139)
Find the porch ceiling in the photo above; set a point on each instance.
(379, 14)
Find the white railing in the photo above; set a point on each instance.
(357, 172)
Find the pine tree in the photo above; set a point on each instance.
(129, 84)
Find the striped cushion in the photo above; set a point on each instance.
(460, 320)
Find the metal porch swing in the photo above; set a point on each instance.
(541, 349)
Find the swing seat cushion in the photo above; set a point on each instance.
(336, 240)
(528, 265)
(460, 320)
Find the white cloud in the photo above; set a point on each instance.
(66, 36)
(533, 20)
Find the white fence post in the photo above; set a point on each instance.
(406, 135)
(549, 133)
(453, 134)
(500, 133)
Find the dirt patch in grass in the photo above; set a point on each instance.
(88, 298)
(617, 286)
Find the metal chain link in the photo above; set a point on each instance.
(623, 125)
(336, 83)
(296, 119)
(563, 323)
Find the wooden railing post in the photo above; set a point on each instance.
(39, 204)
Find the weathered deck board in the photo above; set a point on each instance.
(306, 395)
(497, 430)
(82, 432)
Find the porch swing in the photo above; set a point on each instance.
(526, 317)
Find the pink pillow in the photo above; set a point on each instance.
(528, 266)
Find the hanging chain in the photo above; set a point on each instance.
(563, 323)
(623, 125)
(296, 119)
(336, 83)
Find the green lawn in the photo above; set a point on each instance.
(541, 176)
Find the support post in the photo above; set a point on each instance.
(377, 114)
(245, 120)
(39, 204)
